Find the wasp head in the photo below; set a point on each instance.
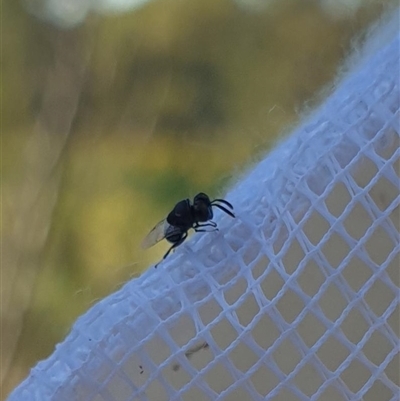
(202, 207)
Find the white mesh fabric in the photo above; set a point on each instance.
(295, 299)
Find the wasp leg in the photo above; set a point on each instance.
(184, 236)
(205, 231)
(200, 230)
(209, 224)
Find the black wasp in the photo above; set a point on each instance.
(183, 217)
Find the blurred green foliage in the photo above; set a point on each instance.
(178, 97)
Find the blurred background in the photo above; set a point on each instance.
(114, 110)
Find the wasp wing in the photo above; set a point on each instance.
(156, 234)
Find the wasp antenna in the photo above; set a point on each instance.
(222, 201)
(224, 209)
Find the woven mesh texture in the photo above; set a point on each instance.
(296, 299)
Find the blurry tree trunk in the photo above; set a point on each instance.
(31, 202)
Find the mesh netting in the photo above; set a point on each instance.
(295, 299)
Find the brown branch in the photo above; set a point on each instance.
(31, 203)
